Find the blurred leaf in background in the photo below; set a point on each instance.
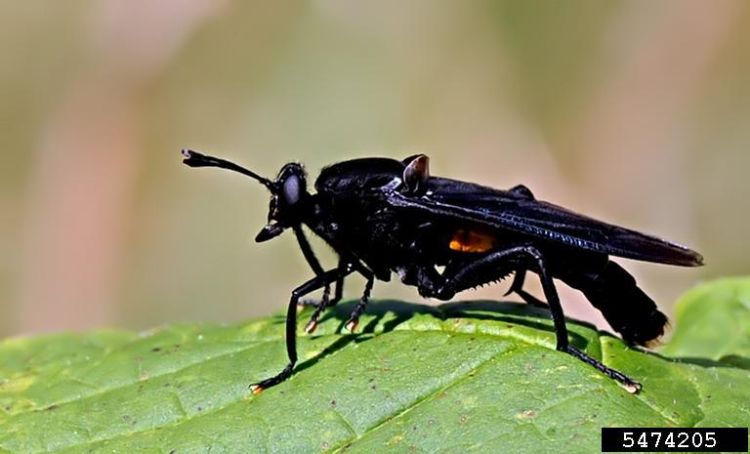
(634, 112)
(713, 321)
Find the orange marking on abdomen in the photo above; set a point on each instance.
(472, 241)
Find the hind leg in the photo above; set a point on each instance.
(490, 267)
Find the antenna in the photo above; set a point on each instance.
(195, 159)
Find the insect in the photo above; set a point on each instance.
(383, 216)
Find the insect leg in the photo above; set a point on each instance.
(325, 297)
(514, 257)
(353, 321)
(517, 287)
(307, 251)
(325, 303)
(531, 254)
(558, 317)
(312, 260)
(291, 324)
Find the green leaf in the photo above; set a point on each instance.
(713, 321)
(479, 376)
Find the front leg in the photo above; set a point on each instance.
(466, 276)
(325, 301)
(291, 323)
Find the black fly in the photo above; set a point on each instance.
(383, 216)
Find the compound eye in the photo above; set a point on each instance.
(292, 189)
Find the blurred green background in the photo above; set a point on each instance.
(636, 112)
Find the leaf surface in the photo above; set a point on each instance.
(478, 376)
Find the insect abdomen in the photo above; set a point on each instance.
(626, 307)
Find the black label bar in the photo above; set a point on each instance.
(623, 439)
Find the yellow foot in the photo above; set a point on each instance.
(311, 326)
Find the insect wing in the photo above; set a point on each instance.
(522, 214)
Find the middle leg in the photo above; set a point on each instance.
(325, 302)
(353, 321)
